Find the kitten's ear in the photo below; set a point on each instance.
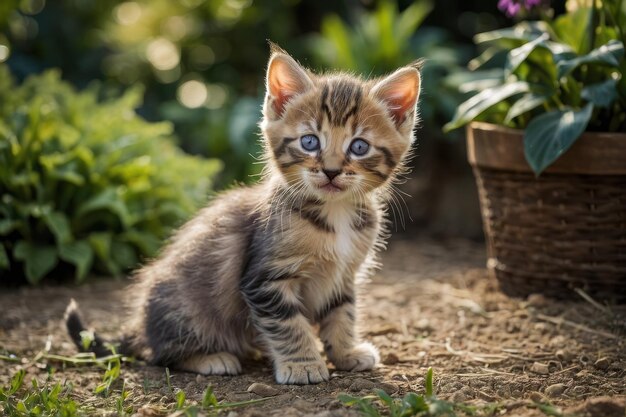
(399, 92)
(285, 80)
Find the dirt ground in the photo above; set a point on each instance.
(432, 305)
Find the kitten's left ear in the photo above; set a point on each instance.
(399, 92)
(285, 80)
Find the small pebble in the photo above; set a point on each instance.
(585, 359)
(199, 378)
(263, 390)
(302, 405)
(537, 300)
(361, 384)
(555, 390)
(540, 368)
(564, 355)
(536, 397)
(602, 363)
(391, 359)
(388, 387)
(458, 397)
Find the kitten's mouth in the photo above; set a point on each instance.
(331, 188)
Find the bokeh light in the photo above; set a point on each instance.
(163, 54)
(192, 93)
(128, 13)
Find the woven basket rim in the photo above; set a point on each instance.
(499, 147)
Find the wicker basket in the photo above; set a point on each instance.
(565, 229)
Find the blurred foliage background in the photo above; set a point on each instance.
(193, 70)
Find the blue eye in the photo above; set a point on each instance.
(359, 147)
(310, 142)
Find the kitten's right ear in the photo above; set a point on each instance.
(285, 80)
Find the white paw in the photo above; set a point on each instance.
(362, 357)
(301, 373)
(222, 363)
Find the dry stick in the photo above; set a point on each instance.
(561, 321)
(489, 358)
(593, 302)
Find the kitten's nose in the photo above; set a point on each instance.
(331, 173)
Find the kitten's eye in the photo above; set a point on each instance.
(310, 142)
(359, 147)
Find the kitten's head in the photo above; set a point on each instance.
(337, 136)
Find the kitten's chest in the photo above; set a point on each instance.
(349, 236)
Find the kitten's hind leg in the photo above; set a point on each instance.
(222, 363)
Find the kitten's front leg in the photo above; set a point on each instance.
(275, 310)
(338, 332)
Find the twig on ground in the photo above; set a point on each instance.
(561, 321)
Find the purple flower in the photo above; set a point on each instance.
(513, 7)
(509, 7)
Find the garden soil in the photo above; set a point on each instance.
(432, 305)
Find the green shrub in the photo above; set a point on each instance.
(85, 183)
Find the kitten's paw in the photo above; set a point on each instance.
(301, 373)
(362, 357)
(222, 363)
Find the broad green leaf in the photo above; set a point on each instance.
(123, 254)
(519, 55)
(601, 94)
(59, 226)
(570, 28)
(608, 54)
(524, 104)
(8, 225)
(101, 244)
(334, 29)
(521, 33)
(38, 259)
(147, 243)
(4, 258)
(79, 254)
(411, 18)
(482, 101)
(549, 135)
(108, 199)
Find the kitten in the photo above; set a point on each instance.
(262, 265)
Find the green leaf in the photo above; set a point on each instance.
(519, 55)
(180, 400)
(429, 383)
(4, 258)
(411, 18)
(386, 398)
(101, 244)
(208, 398)
(123, 254)
(59, 226)
(38, 259)
(608, 54)
(601, 94)
(549, 135)
(7, 226)
(472, 108)
(108, 199)
(78, 254)
(524, 104)
(569, 28)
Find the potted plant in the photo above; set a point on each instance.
(547, 142)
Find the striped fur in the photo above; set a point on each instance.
(258, 268)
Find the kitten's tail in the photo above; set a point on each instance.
(92, 343)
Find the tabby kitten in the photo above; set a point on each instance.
(262, 265)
